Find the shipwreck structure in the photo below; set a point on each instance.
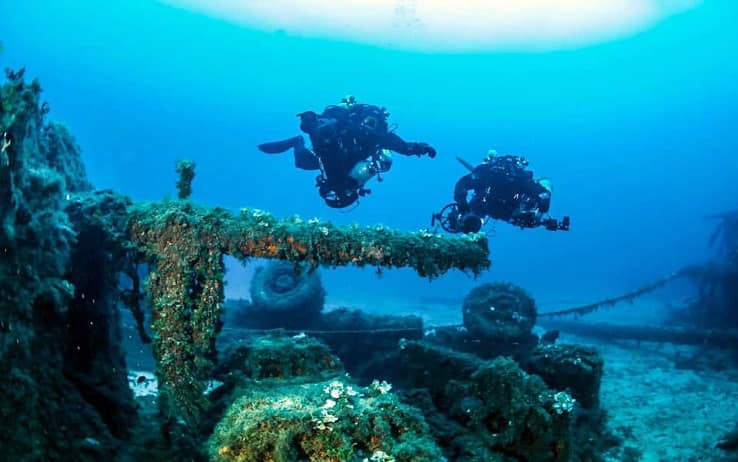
(185, 245)
(64, 246)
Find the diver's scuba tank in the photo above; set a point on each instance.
(366, 169)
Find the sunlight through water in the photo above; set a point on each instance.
(452, 26)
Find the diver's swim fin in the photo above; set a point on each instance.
(278, 147)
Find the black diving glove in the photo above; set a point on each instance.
(551, 224)
(419, 149)
(427, 149)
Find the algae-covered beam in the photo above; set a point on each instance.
(186, 243)
(257, 233)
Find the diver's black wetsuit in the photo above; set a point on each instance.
(504, 189)
(341, 137)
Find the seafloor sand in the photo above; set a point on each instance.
(668, 402)
(662, 412)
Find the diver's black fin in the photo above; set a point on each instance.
(466, 164)
(278, 147)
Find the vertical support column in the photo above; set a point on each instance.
(185, 292)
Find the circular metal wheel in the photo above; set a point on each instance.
(448, 218)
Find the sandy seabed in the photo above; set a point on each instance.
(661, 411)
(667, 402)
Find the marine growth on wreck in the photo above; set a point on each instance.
(67, 245)
(278, 377)
(265, 231)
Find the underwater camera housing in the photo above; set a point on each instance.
(470, 223)
(555, 225)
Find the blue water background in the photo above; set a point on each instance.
(638, 135)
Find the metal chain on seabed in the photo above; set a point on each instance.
(590, 307)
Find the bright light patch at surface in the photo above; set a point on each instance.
(448, 25)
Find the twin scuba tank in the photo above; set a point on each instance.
(373, 123)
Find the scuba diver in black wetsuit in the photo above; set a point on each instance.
(501, 188)
(351, 143)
